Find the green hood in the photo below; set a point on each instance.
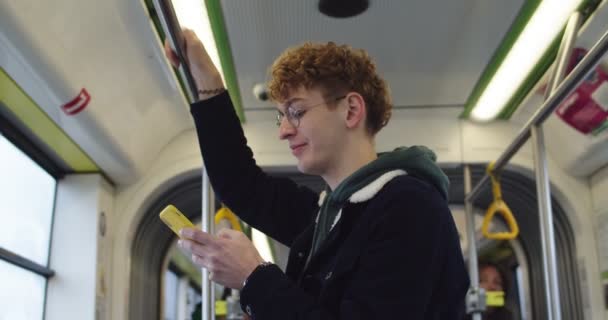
(417, 161)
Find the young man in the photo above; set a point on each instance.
(379, 243)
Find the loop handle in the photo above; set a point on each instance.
(495, 181)
(498, 206)
(225, 213)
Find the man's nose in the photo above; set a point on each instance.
(286, 129)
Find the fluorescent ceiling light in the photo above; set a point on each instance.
(262, 243)
(192, 14)
(546, 23)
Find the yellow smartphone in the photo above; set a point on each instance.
(174, 219)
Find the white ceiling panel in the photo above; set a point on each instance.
(430, 52)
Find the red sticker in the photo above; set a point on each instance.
(77, 104)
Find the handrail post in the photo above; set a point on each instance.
(207, 206)
(543, 189)
(475, 297)
(168, 19)
(543, 194)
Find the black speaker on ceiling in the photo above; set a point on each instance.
(343, 8)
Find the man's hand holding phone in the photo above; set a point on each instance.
(230, 257)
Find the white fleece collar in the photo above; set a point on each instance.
(370, 190)
(322, 196)
(365, 193)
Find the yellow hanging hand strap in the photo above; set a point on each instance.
(225, 213)
(498, 206)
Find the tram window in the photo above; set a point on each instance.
(171, 296)
(519, 278)
(194, 298)
(21, 293)
(27, 195)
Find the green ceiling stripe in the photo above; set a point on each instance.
(42, 126)
(218, 25)
(524, 15)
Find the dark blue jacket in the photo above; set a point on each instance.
(395, 256)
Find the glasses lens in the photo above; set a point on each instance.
(293, 115)
(279, 119)
(293, 119)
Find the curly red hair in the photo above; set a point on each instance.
(332, 68)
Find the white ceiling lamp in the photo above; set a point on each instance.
(192, 14)
(545, 24)
(262, 243)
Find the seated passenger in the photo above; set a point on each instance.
(379, 243)
(492, 278)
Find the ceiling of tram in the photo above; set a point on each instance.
(431, 52)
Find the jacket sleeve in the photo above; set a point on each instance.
(275, 206)
(399, 274)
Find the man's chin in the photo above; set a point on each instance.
(302, 168)
(306, 168)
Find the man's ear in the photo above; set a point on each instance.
(356, 110)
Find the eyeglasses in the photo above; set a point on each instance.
(294, 112)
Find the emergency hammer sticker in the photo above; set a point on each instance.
(77, 104)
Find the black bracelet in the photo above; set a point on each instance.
(260, 266)
(212, 91)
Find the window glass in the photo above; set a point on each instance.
(170, 298)
(21, 293)
(27, 195)
(194, 298)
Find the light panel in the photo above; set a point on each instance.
(544, 25)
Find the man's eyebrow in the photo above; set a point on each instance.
(287, 103)
(292, 100)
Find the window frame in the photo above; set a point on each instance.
(22, 142)
(26, 263)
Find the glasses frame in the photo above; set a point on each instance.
(294, 116)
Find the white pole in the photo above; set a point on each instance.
(207, 205)
(472, 247)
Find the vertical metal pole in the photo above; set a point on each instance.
(170, 23)
(207, 205)
(543, 194)
(471, 241)
(543, 190)
(563, 53)
(565, 49)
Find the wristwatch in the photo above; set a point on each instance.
(260, 266)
